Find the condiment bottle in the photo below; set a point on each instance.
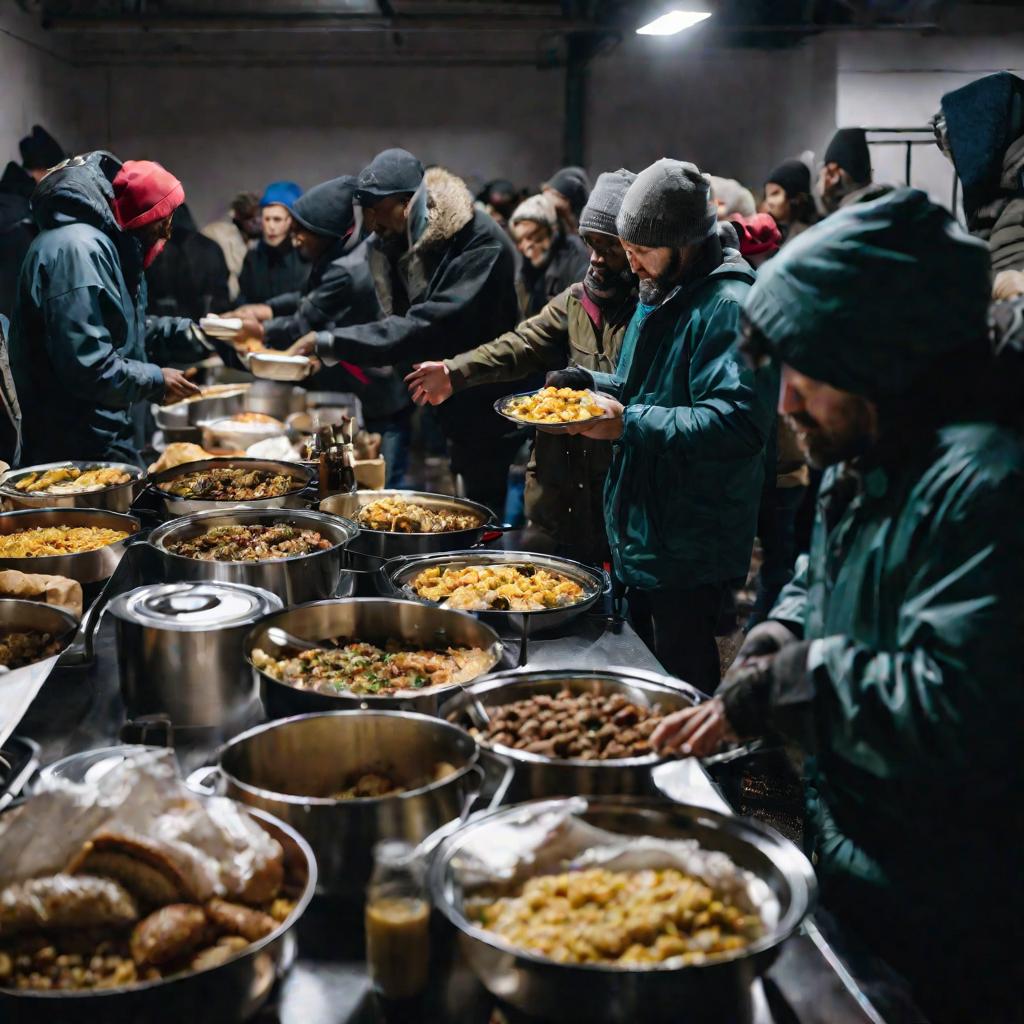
(397, 922)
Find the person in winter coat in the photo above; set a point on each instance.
(274, 266)
(894, 657)
(731, 199)
(82, 353)
(39, 152)
(338, 291)
(16, 181)
(444, 273)
(191, 278)
(236, 235)
(16, 233)
(583, 327)
(551, 259)
(568, 189)
(788, 199)
(688, 423)
(845, 177)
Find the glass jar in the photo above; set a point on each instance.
(397, 922)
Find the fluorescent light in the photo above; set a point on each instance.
(672, 22)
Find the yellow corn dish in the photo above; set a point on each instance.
(555, 405)
(626, 918)
(41, 541)
(480, 588)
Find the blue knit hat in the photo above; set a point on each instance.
(281, 193)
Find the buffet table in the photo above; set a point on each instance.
(80, 709)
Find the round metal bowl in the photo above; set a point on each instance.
(371, 619)
(225, 401)
(176, 506)
(289, 767)
(389, 543)
(229, 993)
(503, 408)
(537, 775)
(397, 575)
(117, 498)
(85, 566)
(295, 580)
(719, 990)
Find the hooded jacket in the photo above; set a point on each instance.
(567, 263)
(16, 233)
(453, 287)
(271, 270)
(80, 341)
(685, 480)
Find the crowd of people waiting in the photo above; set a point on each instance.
(839, 352)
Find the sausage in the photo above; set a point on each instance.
(239, 920)
(65, 901)
(168, 933)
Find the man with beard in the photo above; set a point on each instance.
(689, 424)
(894, 657)
(845, 176)
(583, 326)
(552, 258)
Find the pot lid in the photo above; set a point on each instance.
(194, 606)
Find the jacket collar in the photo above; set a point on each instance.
(713, 262)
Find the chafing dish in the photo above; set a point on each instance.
(85, 566)
(537, 775)
(388, 543)
(117, 498)
(295, 580)
(372, 619)
(718, 990)
(181, 421)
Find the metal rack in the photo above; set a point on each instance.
(910, 143)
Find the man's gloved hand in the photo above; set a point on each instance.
(571, 377)
(764, 640)
(749, 694)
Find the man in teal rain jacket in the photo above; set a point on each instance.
(688, 424)
(894, 658)
(82, 351)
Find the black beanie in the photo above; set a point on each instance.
(391, 172)
(40, 150)
(326, 209)
(793, 177)
(574, 184)
(849, 149)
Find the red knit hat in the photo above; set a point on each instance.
(144, 192)
(759, 234)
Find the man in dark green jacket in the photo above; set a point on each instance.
(83, 353)
(894, 658)
(688, 422)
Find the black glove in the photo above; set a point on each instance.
(753, 694)
(571, 377)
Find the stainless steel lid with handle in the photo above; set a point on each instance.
(194, 607)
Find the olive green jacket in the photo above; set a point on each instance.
(565, 478)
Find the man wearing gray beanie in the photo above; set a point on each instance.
(582, 327)
(688, 421)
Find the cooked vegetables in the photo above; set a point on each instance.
(555, 405)
(396, 515)
(238, 543)
(25, 646)
(231, 484)
(629, 918)
(518, 588)
(42, 541)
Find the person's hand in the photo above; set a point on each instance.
(305, 346)
(608, 428)
(694, 732)
(764, 641)
(177, 386)
(253, 310)
(574, 377)
(1007, 285)
(429, 383)
(251, 330)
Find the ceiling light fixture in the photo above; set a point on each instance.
(672, 22)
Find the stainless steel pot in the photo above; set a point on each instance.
(295, 580)
(85, 566)
(229, 993)
(716, 991)
(179, 650)
(539, 776)
(115, 499)
(273, 398)
(397, 576)
(176, 506)
(371, 619)
(289, 768)
(389, 543)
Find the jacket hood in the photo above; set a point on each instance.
(78, 192)
(869, 299)
(441, 208)
(13, 210)
(17, 181)
(183, 219)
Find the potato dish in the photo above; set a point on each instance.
(71, 480)
(43, 541)
(363, 668)
(25, 646)
(627, 918)
(238, 543)
(231, 484)
(395, 515)
(478, 588)
(555, 405)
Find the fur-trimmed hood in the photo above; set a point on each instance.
(441, 208)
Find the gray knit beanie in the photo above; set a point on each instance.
(667, 206)
(605, 201)
(538, 208)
